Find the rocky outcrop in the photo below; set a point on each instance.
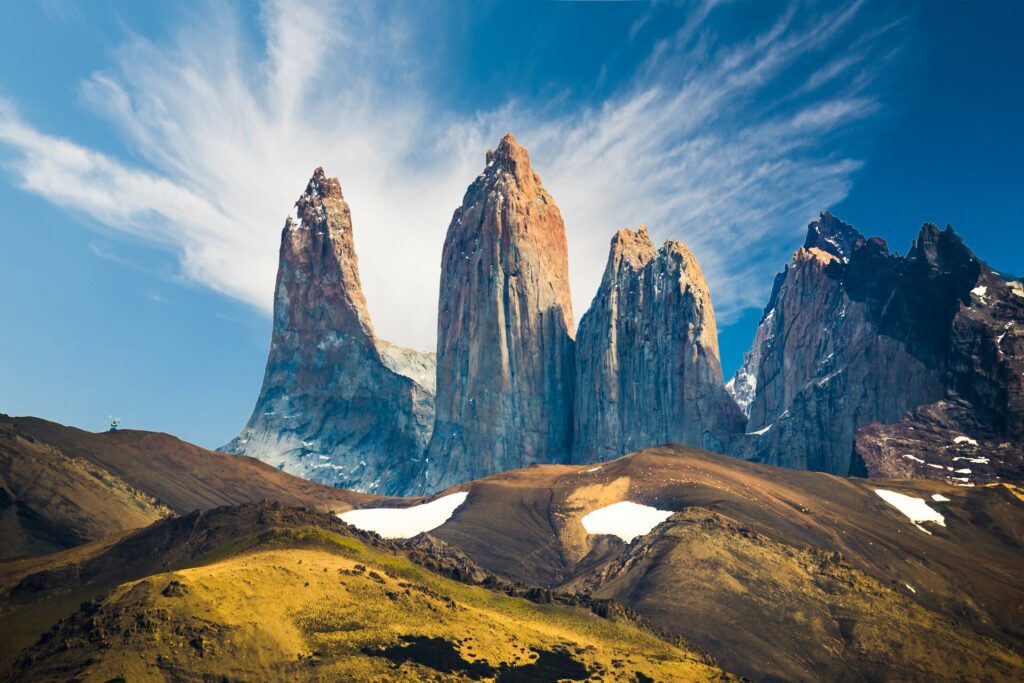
(975, 433)
(338, 406)
(855, 338)
(647, 365)
(504, 344)
(823, 366)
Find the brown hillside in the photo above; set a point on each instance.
(779, 573)
(50, 501)
(183, 476)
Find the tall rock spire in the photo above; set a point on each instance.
(648, 370)
(338, 405)
(504, 344)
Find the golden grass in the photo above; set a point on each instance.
(306, 604)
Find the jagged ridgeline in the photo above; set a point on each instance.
(864, 361)
(868, 362)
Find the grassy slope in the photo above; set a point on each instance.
(307, 604)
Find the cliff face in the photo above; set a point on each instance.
(855, 338)
(647, 364)
(975, 433)
(504, 345)
(338, 406)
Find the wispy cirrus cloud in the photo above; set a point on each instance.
(730, 145)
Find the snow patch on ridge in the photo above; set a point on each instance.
(915, 509)
(405, 522)
(624, 519)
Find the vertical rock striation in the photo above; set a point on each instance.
(504, 345)
(338, 405)
(647, 364)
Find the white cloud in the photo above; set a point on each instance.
(224, 129)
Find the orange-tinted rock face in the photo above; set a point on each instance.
(648, 370)
(337, 405)
(504, 344)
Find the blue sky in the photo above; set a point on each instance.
(149, 153)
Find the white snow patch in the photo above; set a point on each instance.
(759, 432)
(965, 470)
(965, 439)
(976, 461)
(624, 519)
(939, 498)
(980, 292)
(916, 509)
(593, 469)
(908, 456)
(405, 522)
(910, 588)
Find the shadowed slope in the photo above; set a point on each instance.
(50, 501)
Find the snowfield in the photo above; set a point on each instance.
(916, 509)
(405, 522)
(624, 519)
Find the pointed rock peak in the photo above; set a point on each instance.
(833, 236)
(677, 247)
(513, 158)
(929, 235)
(633, 248)
(942, 249)
(321, 194)
(318, 189)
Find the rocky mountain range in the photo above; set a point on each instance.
(868, 362)
(864, 361)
